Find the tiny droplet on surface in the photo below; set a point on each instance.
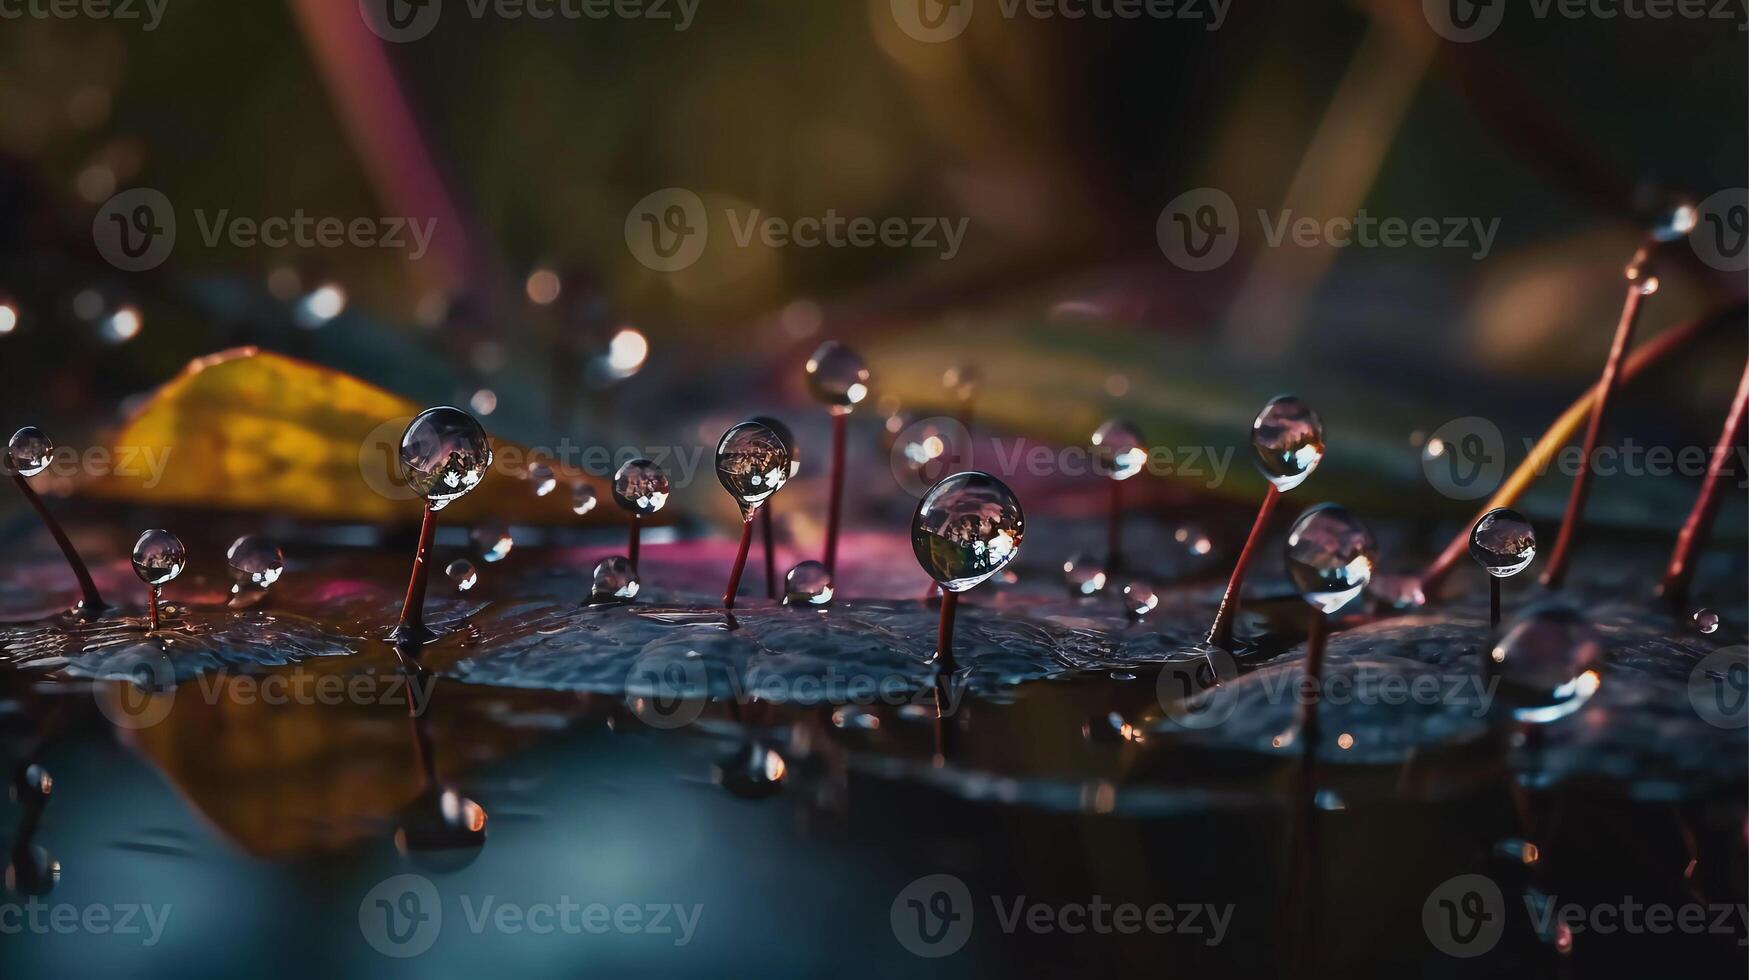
(1706, 621)
(255, 560)
(615, 580)
(808, 584)
(462, 574)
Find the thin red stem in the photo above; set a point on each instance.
(950, 603)
(412, 625)
(632, 541)
(734, 585)
(1114, 529)
(1695, 530)
(770, 551)
(1314, 678)
(1221, 634)
(92, 602)
(835, 495)
(1493, 604)
(1556, 571)
(157, 596)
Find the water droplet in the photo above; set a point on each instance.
(493, 541)
(540, 476)
(463, 574)
(1140, 599)
(837, 377)
(1706, 621)
(963, 380)
(159, 556)
(1194, 539)
(445, 454)
(640, 487)
(752, 772)
(256, 562)
(785, 436)
(967, 527)
(1289, 439)
(1118, 451)
(1547, 664)
(1676, 221)
(31, 785)
(442, 831)
(752, 464)
(582, 499)
(31, 450)
(1084, 575)
(615, 580)
(1503, 542)
(808, 584)
(1329, 556)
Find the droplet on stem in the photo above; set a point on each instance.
(256, 562)
(752, 464)
(28, 453)
(1503, 542)
(31, 450)
(837, 377)
(159, 557)
(640, 488)
(1329, 557)
(966, 529)
(1289, 439)
(445, 453)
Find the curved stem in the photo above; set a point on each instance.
(1680, 572)
(91, 602)
(1221, 634)
(157, 597)
(412, 624)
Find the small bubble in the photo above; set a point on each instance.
(1706, 621)
(837, 377)
(1084, 575)
(615, 580)
(1118, 451)
(640, 487)
(540, 476)
(752, 464)
(1329, 556)
(582, 498)
(31, 450)
(1503, 542)
(966, 528)
(159, 557)
(1140, 599)
(445, 454)
(808, 584)
(493, 541)
(463, 574)
(1289, 439)
(1547, 664)
(256, 562)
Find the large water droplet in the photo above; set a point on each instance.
(1329, 556)
(1706, 621)
(808, 584)
(1289, 439)
(582, 499)
(837, 377)
(752, 464)
(1118, 451)
(462, 574)
(1547, 664)
(492, 540)
(256, 561)
(1084, 575)
(31, 450)
(1503, 542)
(967, 527)
(445, 454)
(159, 557)
(615, 580)
(540, 476)
(640, 487)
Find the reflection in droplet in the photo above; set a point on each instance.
(159, 557)
(444, 454)
(808, 584)
(966, 528)
(462, 574)
(1289, 439)
(31, 450)
(1084, 575)
(752, 464)
(1503, 542)
(615, 580)
(492, 540)
(1547, 664)
(640, 487)
(837, 377)
(1118, 452)
(256, 562)
(1329, 556)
